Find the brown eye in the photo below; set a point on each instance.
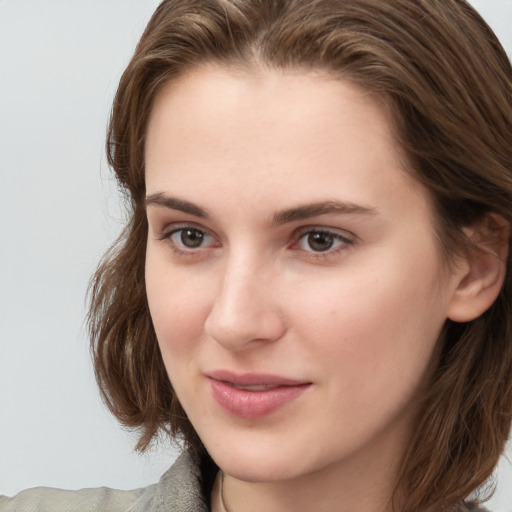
(189, 241)
(191, 238)
(320, 241)
(323, 242)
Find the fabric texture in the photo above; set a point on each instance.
(181, 489)
(185, 487)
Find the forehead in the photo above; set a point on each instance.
(260, 98)
(266, 134)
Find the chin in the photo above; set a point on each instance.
(258, 470)
(263, 461)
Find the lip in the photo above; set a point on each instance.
(253, 395)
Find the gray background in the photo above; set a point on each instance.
(60, 61)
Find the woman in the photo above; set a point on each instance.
(312, 291)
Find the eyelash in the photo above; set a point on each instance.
(344, 242)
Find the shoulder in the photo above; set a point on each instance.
(179, 490)
(43, 499)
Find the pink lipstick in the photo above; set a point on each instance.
(253, 395)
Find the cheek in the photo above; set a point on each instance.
(377, 327)
(178, 306)
(178, 320)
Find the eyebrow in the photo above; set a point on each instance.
(174, 203)
(294, 214)
(321, 208)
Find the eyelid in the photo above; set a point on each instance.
(171, 228)
(338, 232)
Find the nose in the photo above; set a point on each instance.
(245, 311)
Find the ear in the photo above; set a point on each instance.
(481, 272)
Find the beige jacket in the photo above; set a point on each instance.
(180, 490)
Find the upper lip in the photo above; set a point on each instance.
(254, 379)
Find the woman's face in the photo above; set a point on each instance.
(293, 274)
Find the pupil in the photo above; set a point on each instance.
(191, 238)
(320, 241)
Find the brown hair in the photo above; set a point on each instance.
(449, 84)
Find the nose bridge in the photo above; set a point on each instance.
(245, 308)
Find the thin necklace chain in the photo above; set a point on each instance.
(223, 503)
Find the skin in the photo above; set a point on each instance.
(357, 320)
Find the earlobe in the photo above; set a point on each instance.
(483, 270)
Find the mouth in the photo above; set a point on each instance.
(260, 387)
(253, 380)
(253, 396)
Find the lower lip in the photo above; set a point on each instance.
(254, 404)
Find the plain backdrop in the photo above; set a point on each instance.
(60, 62)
